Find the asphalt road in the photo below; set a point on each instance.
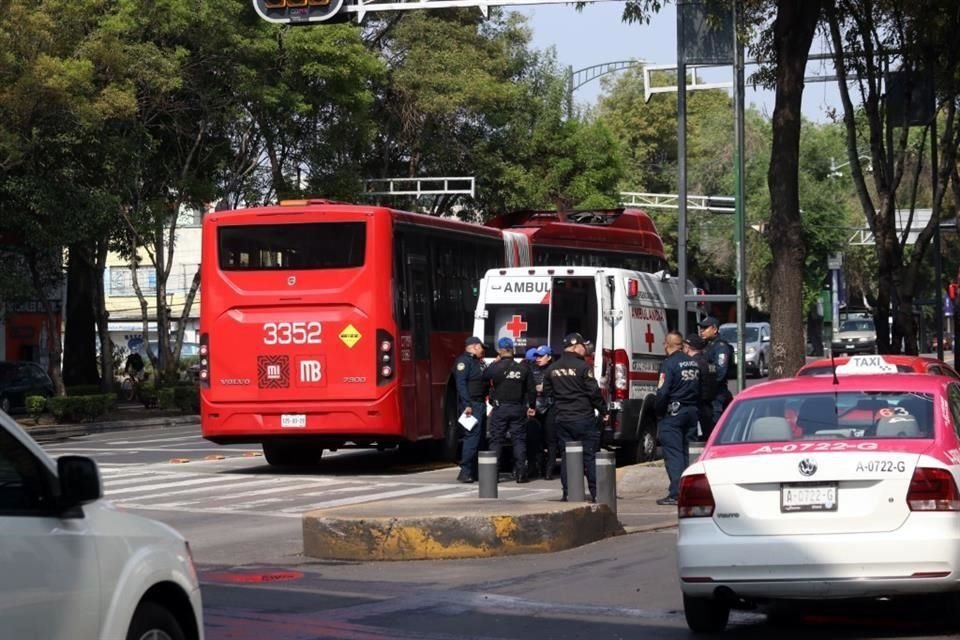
(242, 518)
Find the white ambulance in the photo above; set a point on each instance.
(626, 314)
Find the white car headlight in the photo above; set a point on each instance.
(751, 351)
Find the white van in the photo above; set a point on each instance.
(626, 314)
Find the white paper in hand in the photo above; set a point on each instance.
(468, 421)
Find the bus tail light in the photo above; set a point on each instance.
(204, 360)
(933, 489)
(386, 367)
(621, 375)
(696, 497)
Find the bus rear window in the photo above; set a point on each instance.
(315, 245)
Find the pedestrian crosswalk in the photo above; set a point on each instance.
(237, 491)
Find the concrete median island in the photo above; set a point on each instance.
(414, 530)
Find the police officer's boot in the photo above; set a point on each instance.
(548, 463)
(520, 471)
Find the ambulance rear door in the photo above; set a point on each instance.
(515, 306)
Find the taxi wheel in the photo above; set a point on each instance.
(152, 621)
(705, 615)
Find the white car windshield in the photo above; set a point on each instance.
(828, 416)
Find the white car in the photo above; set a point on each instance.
(72, 566)
(824, 488)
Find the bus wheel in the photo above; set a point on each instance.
(449, 447)
(285, 454)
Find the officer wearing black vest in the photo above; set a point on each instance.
(720, 358)
(471, 400)
(513, 397)
(678, 394)
(576, 396)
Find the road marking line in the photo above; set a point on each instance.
(138, 442)
(370, 497)
(168, 485)
(243, 482)
(217, 510)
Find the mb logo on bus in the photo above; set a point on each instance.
(311, 372)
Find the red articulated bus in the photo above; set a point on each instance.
(328, 325)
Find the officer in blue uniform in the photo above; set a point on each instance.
(570, 383)
(720, 359)
(678, 394)
(471, 400)
(693, 346)
(513, 396)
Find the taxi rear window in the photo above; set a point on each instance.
(827, 370)
(828, 416)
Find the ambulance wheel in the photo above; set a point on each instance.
(283, 454)
(644, 449)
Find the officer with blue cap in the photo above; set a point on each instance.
(513, 397)
(541, 431)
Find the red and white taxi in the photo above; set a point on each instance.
(878, 364)
(820, 487)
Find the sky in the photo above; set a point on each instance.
(597, 34)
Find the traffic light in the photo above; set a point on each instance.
(302, 12)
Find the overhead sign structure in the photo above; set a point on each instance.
(306, 12)
(300, 11)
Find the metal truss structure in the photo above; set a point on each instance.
(419, 187)
(715, 204)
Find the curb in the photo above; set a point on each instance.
(54, 432)
(399, 530)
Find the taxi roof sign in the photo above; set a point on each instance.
(866, 364)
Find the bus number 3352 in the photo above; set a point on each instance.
(291, 332)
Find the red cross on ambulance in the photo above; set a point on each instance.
(516, 326)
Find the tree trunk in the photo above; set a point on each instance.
(79, 336)
(794, 27)
(103, 318)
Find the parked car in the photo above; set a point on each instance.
(856, 335)
(878, 364)
(756, 338)
(817, 487)
(19, 380)
(73, 566)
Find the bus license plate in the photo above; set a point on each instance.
(808, 497)
(293, 420)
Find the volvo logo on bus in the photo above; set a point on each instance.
(234, 381)
(291, 280)
(807, 467)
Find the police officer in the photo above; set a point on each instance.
(571, 384)
(542, 357)
(678, 394)
(534, 427)
(693, 346)
(512, 397)
(471, 394)
(720, 358)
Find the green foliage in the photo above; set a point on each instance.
(165, 398)
(35, 405)
(185, 397)
(81, 408)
